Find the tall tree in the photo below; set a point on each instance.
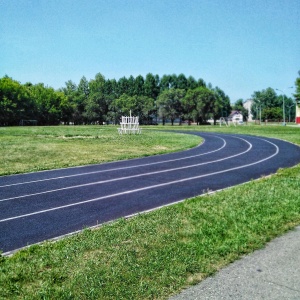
(165, 83)
(201, 83)
(182, 82)
(191, 83)
(70, 105)
(96, 108)
(139, 85)
(151, 88)
(221, 106)
(48, 103)
(111, 94)
(189, 105)
(13, 101)
(139, 106)
(169, 103)
(272, 113)
(123, 86)
(130, 86)
(80, 101)
(264, 99)
(204, 99)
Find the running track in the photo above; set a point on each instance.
(44, 205)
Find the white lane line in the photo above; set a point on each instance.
(145, 188)
(132, 176)
(117, 169)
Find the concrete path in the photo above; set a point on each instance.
(270, 273)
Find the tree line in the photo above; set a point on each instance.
(267, 105)
(102, 100)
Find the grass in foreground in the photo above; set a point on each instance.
(155, 255)
(30, 149)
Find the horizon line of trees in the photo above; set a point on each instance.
(267, 105)
(101, 100)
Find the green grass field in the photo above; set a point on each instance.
(29, 149)
(155, 255)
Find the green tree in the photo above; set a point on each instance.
(15, 102)
(198, 104)
(165, 83)
(138, 105)
(146, 109)
(189, 105)
(201, 83)
(221, 106)
(151, 87)
(169, 103)
(239, 105)
(111, 93)
(290, 108)
(130, 86)
(80, 101)
(8, 100)
(205, 103)
(139, 85)
(264, 99)
(96, 108)
(182, 82)
(191, 83)
(123, 86)
(48, 104)
(273, 113)
(70, 103)
(124, 104)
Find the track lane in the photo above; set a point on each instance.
(48, 215)
(148, 170)
(49, 199)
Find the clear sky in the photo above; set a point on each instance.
(241, 46)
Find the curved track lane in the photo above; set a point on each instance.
(44, 205)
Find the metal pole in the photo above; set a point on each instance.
(290, 111)
(283, 106)
(260, 115)
(256, 114)
(283, 110)
(259, 112)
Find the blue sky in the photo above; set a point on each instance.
(241, 46)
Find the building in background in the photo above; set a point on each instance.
(235, 116)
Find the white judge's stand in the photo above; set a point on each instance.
(129, 125)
